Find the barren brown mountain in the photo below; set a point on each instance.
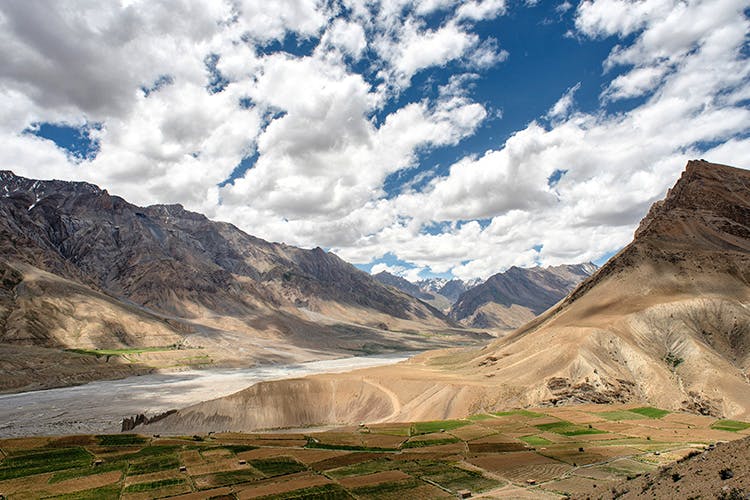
(82, 269)
(664, 322)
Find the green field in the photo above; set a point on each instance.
(436, 426)
(421, 443)
(120, 439)
(39, 461)
(122, 352)
(568, 429)
(648, 411)
(153, 485)
(492, 452)
(277, 466)
(325, 492)
(535, 440)
(621, 415)
(730, 425)
(522, 413)
(227, 478)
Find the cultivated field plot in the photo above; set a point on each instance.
(549, 451)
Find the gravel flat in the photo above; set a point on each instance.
(100, 406)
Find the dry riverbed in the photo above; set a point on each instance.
(100, 406)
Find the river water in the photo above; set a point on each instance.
(99, 407)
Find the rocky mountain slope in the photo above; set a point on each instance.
(404, 285)
(81, 268)
(721, 472)
(664, 322)
(508, 300)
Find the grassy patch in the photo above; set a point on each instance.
(230, 477)
(620, 415)
(346, 447)
(523, 413)
(154, 464)
(38, 462)
(378, 490)
(153, 485)
(109, 491)
(120, 439)
(449, 476)
(650, 412)
(323, 492)
(421, 443)
(673, 360)
(568, 428)
(730, 425)
(88, 471)
(122, 352)
(278, 466)
(151, 451)
(436, 426)
(361, 469)
(535, 440)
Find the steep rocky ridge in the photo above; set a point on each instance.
(510, 299)
(665, 322)
(79, 232)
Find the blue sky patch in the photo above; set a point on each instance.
(76, 141)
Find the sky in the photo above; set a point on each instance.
(423, 137)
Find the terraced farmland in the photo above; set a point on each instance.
(546, 452)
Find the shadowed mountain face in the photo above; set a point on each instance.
(665, 322)
(402, 284)
(81, 268)
(508, 300)
(172, 260)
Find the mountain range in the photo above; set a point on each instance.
(503, 302)
(438, 292)
(508, 300)
(82, 269)
(664, 322)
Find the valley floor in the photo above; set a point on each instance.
(100, 406)
(578, 451)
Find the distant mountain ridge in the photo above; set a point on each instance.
(69, 247)
(438, 292)
(504, 301)
(509, 299)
